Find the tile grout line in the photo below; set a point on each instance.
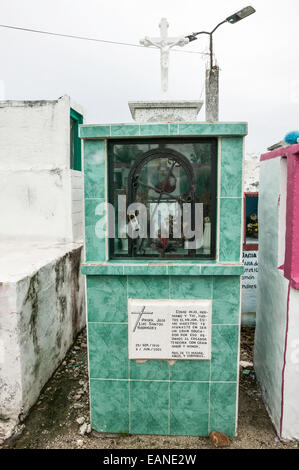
(218, 200)
(168, 398)
(129, 394)
(108, 322)
(238, 360)
(166, 380)
(169, 290)
(210, 377)
(129, 365)
(125, 322)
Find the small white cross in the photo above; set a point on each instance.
(164, 43)
(142, 312)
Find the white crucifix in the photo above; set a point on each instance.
(164, 43)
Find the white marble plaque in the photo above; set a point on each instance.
(169, 329)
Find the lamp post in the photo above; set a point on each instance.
(212, 74)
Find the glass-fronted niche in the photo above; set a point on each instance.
(163, 192)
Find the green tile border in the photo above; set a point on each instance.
(231, 166)
(148, 129)
(125, 130)
(154, 129)
(95, 131)
(143, 268)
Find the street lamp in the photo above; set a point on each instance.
(240, 15)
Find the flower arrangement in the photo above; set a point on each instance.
(252, 229)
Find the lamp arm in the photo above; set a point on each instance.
(211, 39)
(222, 22)
(200, 32)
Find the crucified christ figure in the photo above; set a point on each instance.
(164, 43)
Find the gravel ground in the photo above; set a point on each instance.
(60, 419)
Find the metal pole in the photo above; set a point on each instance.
(211, 51)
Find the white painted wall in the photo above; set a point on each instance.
(37, 184)
(271, 314)
(42, 304)
(77, 191)
(42, 309)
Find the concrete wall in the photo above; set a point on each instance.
(41, 314)
(39, 192)
(273, 342)
(42, 305)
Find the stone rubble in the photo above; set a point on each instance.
(80, 420)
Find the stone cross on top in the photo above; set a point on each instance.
(164, 43)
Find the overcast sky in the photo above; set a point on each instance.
(258, 57)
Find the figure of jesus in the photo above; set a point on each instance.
(164, 43)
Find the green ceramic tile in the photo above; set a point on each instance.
(223, 408)
(226, 299)
(190, 371)
(109, 405)
(224, 352)
(187, 270)
(189, 408)
(195, 287)
(149, 404)
(94, 131)
(107, 298)
(230, 229)
(131, 261)
(173, 129)
(222, 270)
(215, 128)
(231, 166)
(124, 130)
(192, 129)
(153, 129)
(148, 287)
(101, 269)
(108, 350)
(94, 168)
(146, 270)
(94, 243)
(150, 370)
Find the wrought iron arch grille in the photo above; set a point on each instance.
(169, 188)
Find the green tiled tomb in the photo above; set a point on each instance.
(189, 397)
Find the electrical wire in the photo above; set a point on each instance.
(84, 38)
